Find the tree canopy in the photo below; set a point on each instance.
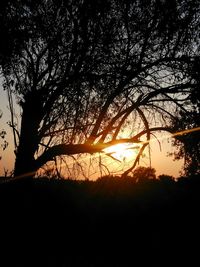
(88, 72)
(144, 173)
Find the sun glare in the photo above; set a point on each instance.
(122, 152)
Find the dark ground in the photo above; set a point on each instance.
(111, 222)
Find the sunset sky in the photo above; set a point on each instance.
(159, 159)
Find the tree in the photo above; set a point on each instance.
(13, 29)
(87, 71)
(188, 142)
(144, 173)
(164, 178)
(188, 123)
(3, 143)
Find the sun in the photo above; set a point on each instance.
(122, 152)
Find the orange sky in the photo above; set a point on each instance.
(159, 160)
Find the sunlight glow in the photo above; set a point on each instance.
(122, 152)
(118, 158)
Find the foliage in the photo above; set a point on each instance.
(14, 29)
(3, 143)
(144, 173)
(166, 178)
(87, 71)
(189, 143)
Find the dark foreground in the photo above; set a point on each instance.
(111, 222)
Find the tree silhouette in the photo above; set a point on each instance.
(166, 178)
(14, 29)
(87, 71)
(189, 143)
(144, 173)
(3, 143)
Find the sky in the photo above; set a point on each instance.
(159, 159)
(7, 161)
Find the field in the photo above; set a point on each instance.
(110, 222)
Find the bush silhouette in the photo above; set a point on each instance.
(144, 173)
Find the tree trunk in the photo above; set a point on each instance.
(28, 143)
